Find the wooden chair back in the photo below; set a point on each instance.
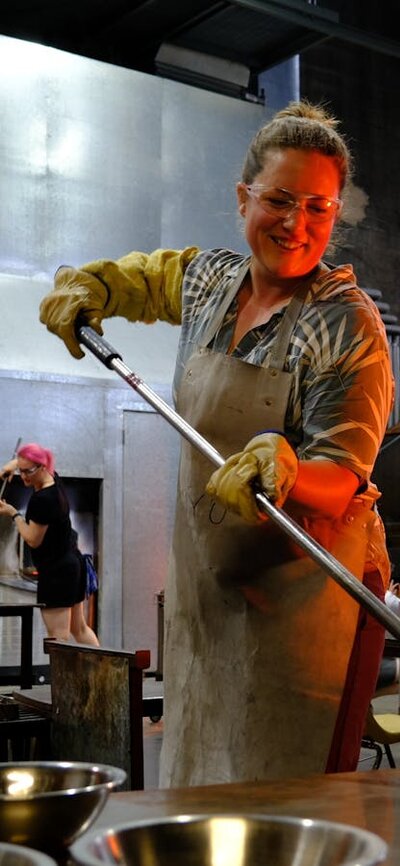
(97, 706)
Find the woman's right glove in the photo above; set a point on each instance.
(140, 287)
(268, 458)
(75, 292)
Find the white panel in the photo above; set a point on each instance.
(151, 449)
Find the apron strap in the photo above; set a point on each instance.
(229, 296)
(289, 319)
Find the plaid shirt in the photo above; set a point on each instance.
(343, 386)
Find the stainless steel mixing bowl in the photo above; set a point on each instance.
(18, 855)
(47, 804)
(230, 840)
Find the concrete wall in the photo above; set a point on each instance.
(362, 88)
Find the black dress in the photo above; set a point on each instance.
(61, 572)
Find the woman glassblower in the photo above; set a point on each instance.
(283, 365)
(47, 529)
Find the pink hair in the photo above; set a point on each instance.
(39, 455)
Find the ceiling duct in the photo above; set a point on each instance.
(321, 20)
(204, 70)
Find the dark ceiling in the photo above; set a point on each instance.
(211, 44)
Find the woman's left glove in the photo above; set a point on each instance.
(268, 458)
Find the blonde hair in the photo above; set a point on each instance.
(302, 126)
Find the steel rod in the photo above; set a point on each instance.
(5, 481)
(331, 566)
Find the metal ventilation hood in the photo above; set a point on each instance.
(218, 45)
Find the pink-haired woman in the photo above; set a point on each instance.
(47, 530)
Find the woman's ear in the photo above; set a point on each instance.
(241, 198)
(339, 211)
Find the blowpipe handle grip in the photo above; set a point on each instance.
(98, 345)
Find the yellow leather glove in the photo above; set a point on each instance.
(140, 287)
(75, 292)
(268, 458)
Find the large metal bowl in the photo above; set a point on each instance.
(18, 855)
(230, 840)
(47, 804)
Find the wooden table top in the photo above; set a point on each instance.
(39, 697)
(369, 799)
(11, 595)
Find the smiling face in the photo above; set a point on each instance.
(289, 247)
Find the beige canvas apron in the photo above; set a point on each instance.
(257, 637)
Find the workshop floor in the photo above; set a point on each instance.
(152, 740)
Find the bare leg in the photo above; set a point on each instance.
(58, 622)
(79, 627)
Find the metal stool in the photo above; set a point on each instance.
(382, 730)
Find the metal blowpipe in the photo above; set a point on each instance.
(113, 360)
(5, 481)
